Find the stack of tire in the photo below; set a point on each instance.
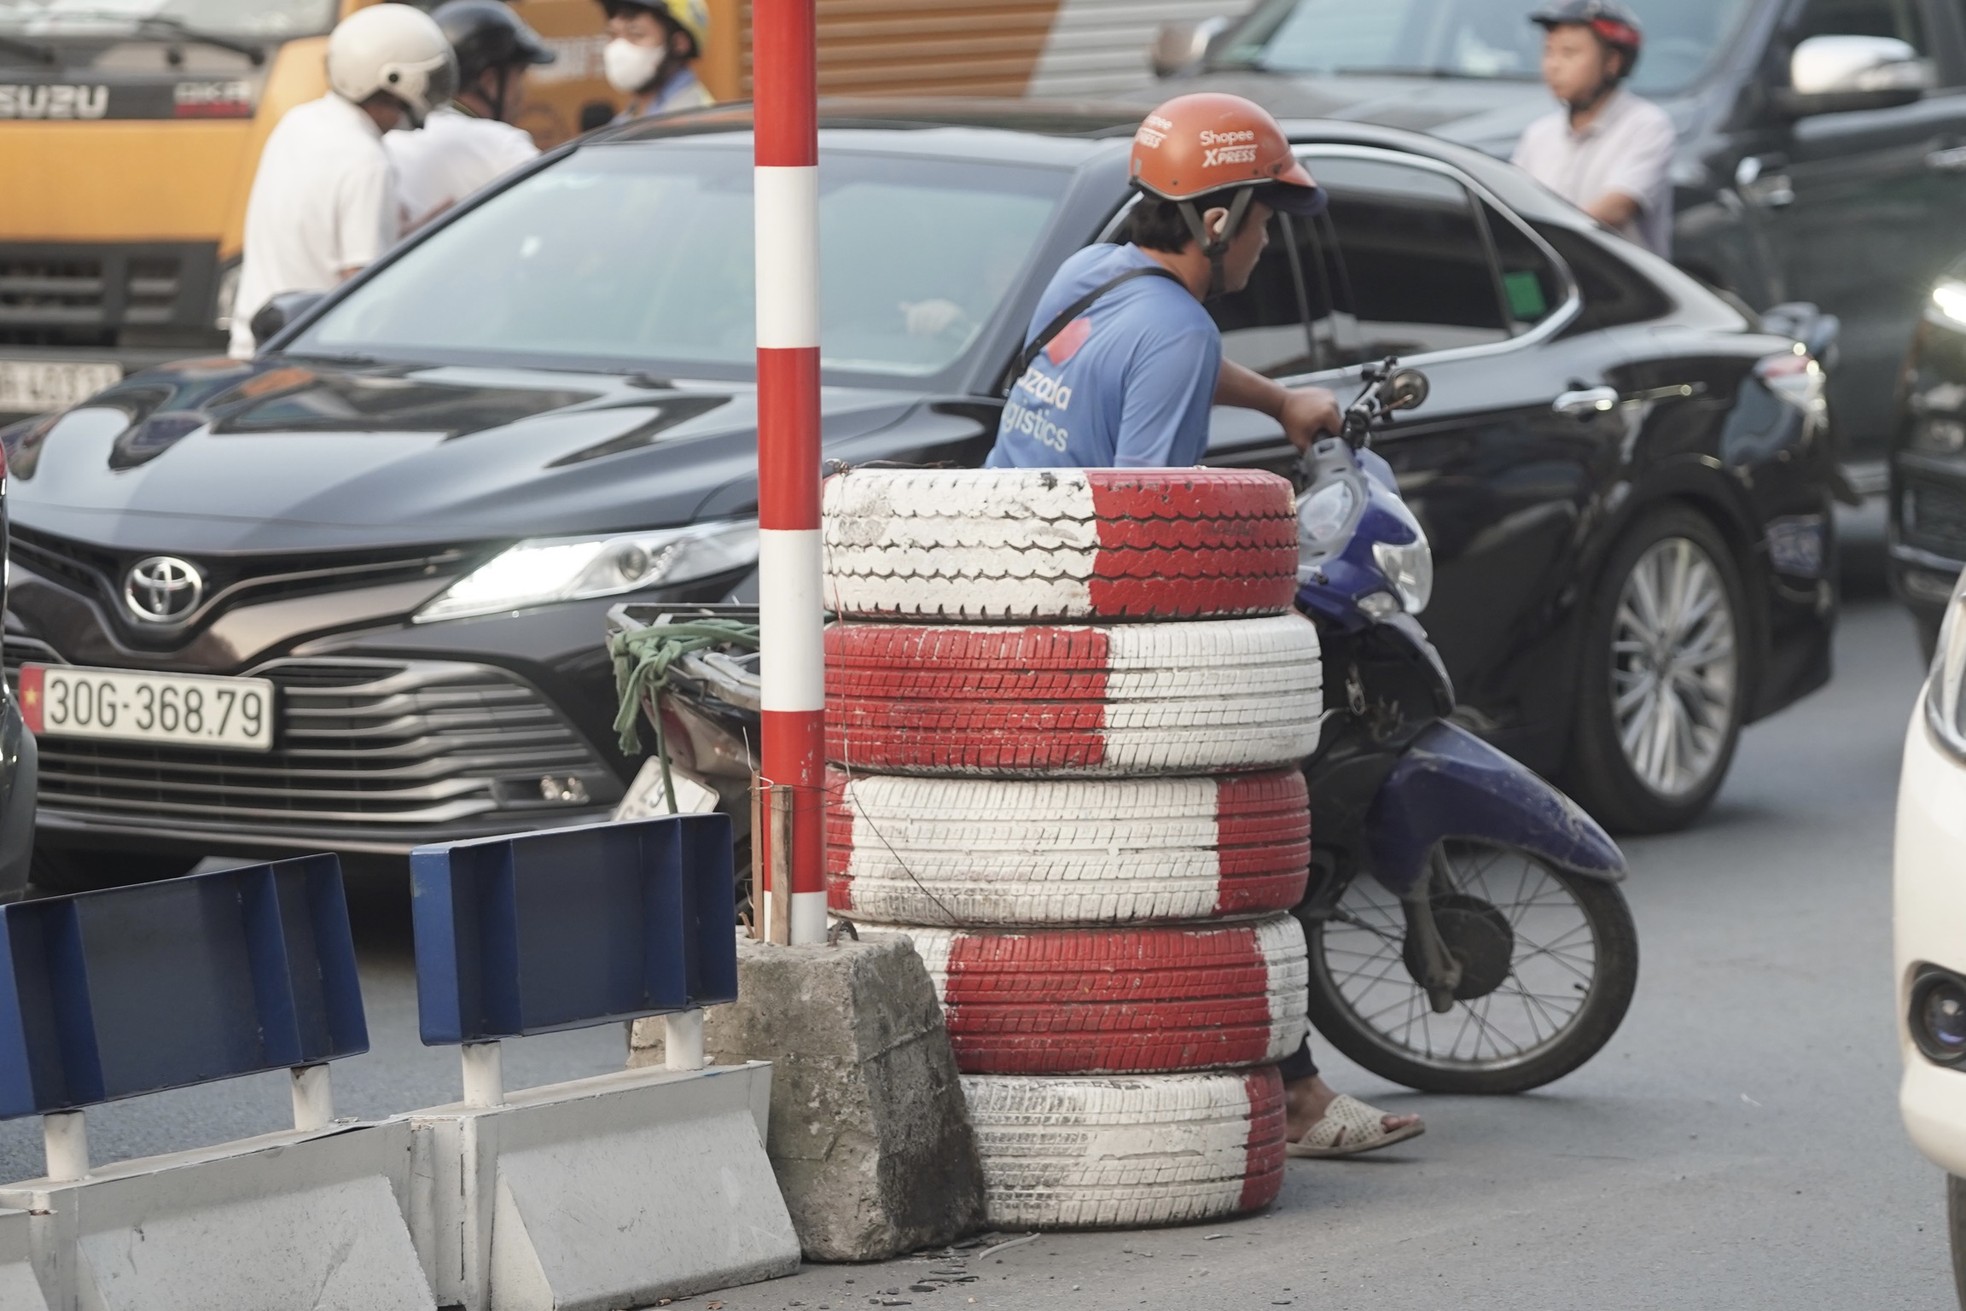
(1064, 710)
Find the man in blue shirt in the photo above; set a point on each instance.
(1128, 379)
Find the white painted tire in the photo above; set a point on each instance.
(1044, 701)
(1138, 1000)
(981, 852)
(1031, 544)
(1065, 1153)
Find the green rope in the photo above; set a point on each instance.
(642, 660)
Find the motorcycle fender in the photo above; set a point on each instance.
(1450, 784)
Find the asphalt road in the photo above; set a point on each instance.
(1737, 1146)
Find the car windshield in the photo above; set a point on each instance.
(261, 18)
(1466, 38)
(641, 255)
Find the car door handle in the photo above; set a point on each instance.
(1586, 402)
(1951, 159)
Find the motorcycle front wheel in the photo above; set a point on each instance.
(1548, 961)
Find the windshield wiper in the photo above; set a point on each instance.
(34, 50)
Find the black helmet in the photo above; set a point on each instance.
(1612, 23)
(487, 34)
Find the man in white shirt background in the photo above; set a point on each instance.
(471, 141)
(323, 203)
(1605, 150)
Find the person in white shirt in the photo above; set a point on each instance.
(472, 140)
(1606, 151)
(323, 203)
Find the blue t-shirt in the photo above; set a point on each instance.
(1127, 384)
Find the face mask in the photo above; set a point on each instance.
(630, 67)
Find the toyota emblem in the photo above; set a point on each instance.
(163, 589)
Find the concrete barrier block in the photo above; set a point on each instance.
(311, 1220)
(602, 1193)
(870, 1136)
(20, 1287)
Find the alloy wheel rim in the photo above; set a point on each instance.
(1674, 668)
(1551, 970)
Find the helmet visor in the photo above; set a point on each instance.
(1293, 192)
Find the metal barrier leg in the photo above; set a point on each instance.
(484, 1074)
(313, 1098)
(66, 1138)
(682, 1042)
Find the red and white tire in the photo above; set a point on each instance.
(1060, 543)
(977, 852)
(1119, 1001)
(1064, 1153)
(1129, 699)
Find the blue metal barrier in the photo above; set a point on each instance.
(134, 990)
(573, 927)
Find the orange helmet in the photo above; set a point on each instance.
(1208, 142)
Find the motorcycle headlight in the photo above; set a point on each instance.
(545, 570)
(1945, 691)
(1326, 512)
(1409, 567)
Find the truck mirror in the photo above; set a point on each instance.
(1181, 45)
(1838, 74)
(272, 318)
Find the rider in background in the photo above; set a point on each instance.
(652, 55)
(470, 141)
(1605, 151)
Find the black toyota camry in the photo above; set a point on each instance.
(350, 594)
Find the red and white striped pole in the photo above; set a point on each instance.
(784, 80)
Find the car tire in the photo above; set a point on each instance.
(1101, 1153)
(995, 852)
(1059, 544)
(1025, 701)
(1119, 1001)
(74, 869)
(1620, 769)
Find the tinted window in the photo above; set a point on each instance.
(1613, 292)
(1411, 272)
(643, 253)
(1532, 287)
(1263, 325)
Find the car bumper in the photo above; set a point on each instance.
(1929, 913)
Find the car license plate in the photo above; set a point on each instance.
(38, 386)
(123, 705)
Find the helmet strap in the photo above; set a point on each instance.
(1215, 246)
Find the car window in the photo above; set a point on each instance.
(643, 253)
(1407, 265)
(1264, 325)
(1532, 286)
(1474, 39)
(1612, 291)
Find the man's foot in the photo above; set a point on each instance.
(1320, 1122)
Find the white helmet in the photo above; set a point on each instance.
(396, 50)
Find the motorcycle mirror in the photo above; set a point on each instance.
(1405, 390)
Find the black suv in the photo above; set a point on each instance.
(1822, 142)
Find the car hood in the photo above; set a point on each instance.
(292, 454)
(1486, 114)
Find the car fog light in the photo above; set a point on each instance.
(569, 790)
(1938, 435)
(1938, 1015)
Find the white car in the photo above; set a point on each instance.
(1929, 906)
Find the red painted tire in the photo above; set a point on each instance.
(979, 852)
(1127, 699)
(1066, 1153)
(1032, 544)
(1119, 1001)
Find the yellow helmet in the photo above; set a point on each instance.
(692, 16)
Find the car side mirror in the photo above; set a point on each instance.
(1838, 74)
(272, 318)
(1181, 45)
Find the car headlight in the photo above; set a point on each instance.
(1949, 302)
(1409, 567)
(549, 569)
(1938, 434)
(1945, 691)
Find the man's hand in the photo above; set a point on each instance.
(1308, 414)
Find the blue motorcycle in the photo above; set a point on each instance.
(1466, 930)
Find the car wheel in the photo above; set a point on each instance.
(1956, 1232)
(70, 869)
(1659, 703)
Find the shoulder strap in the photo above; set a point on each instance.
(1072, 311)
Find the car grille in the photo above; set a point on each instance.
(403, 751)
(1934, 517)
(253, 580)
(68, 295)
